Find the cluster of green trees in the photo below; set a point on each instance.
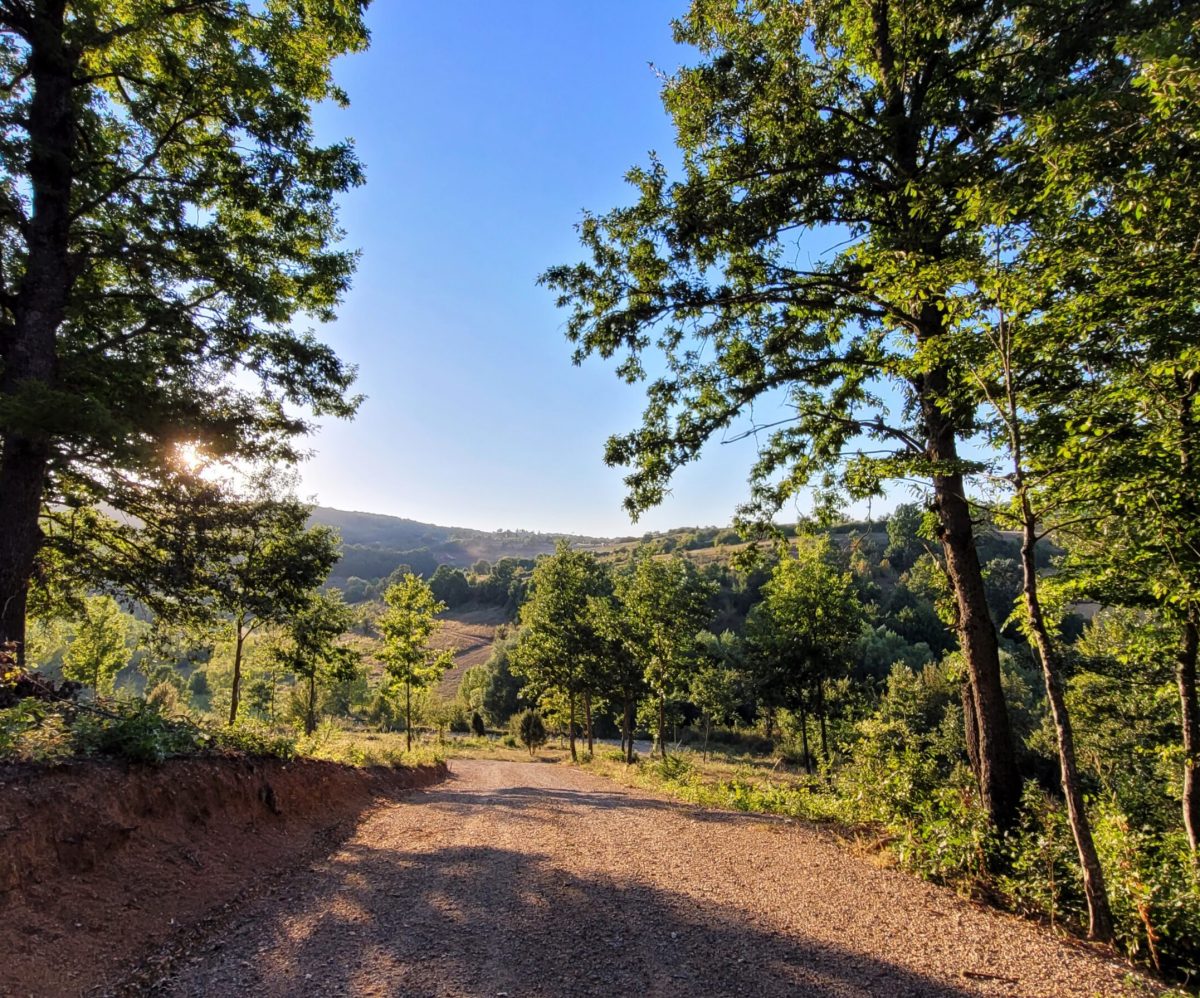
(1006, 318)
(485, 584)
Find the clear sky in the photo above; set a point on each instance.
(486, 129)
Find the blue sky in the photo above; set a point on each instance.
(486, 129)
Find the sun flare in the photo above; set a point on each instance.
(190, 456)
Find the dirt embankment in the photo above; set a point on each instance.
(101, 863)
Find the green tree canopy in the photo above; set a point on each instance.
(665, 603)
(863, 124)
(100, 646)
(168, 219)
(558, 647)
(310, 649)
(407, 625)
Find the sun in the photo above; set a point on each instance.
(190, 456)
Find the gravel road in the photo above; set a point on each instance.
(531, 879)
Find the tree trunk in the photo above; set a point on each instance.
(821, 715)
(1100, 921)
(662, 726)
(22, 473)
(804, 741)
(27, 348)
(996, 767)
(408, 714)
(707, 729)
(1189, 715)
(310, 717)
(571, 726)
(970, 728)
(628, 731)
(587, 714)
(235, 689)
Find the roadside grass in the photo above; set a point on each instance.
(734, 782)
(368, 748)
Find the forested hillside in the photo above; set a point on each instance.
(373, 546)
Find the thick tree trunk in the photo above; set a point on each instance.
(22, 475)
(1100, 921)
(587, 715)
(1189, 715)
(27, 347)
(996, 767)
(235, 689)
(821, 715)
(970, 727)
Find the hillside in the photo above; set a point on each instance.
(375, 544)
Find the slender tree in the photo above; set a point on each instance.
(665, 605)
(100, 646)
(716, 679)
(1111, 265)
(407, 625)
(558, 646)
(806, 627)
(310, 649)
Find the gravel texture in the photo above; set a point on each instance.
(527, 879)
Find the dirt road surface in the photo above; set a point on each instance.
(528, 879)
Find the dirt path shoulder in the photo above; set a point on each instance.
(101, 863)
(526, 879)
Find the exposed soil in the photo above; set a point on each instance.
(471, 634)
(526, 879)
(101, 863)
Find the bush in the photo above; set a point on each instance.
(137, 730)
(529, 727)
(254, 738)
(32, 731)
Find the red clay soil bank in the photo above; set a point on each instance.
(102, 863)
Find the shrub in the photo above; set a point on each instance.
(255, 738)
(32, 731)
(136, 730)
(531, 729)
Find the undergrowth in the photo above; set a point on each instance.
(52, 732)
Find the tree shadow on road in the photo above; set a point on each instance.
(489, 921)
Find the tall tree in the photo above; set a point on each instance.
(665, 604)
(407, 625)
(1024, 374)
(620, 671)
(262, 563)
(558, 645)
(166, 215)
(1112, 267)
(861, 123)
(806, 626)
(310, 649)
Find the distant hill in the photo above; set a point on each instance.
(374, 544)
